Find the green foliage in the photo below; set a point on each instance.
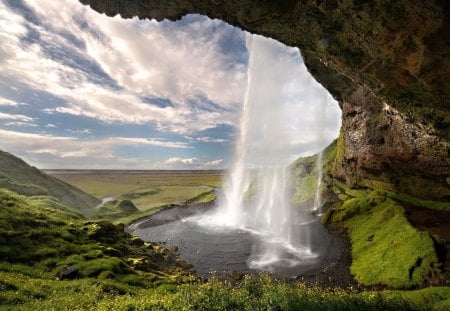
(19, 177)
(20, 292)
(386, 249)
(36, 235)
(306, 171)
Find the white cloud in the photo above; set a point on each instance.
(19, 123)
(146, 59)
(214, 163)
(50, 125)
(7, 102)
(17, 117)
(206, 139)
(64, 151)
(83, 131)
(190, 163)
(176, 161)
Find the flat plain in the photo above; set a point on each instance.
(149, 191)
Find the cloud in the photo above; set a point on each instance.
(7, 102)
(68, 151)
(22, 124)
(214, 163)
(206, 139)
(103, 67)
(83, 131)
(175, 161)
(190, 163)
(17, 117)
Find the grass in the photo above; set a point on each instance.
(112, 183)
(33, 234)
(21, 292)
(148, 191)
(386, 249)
(18, 176)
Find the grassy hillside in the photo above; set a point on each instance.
(18, 176)
(34, 234)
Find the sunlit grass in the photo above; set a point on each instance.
(20, 292)
(116, 183)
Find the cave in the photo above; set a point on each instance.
(386, 63)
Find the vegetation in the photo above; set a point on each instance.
(18, 176)
(253, 293)
(35, 235)
(306, 171)
(42, 237)
(103, 183)
(148, 192)
(386, 249)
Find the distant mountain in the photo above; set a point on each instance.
(16, 175)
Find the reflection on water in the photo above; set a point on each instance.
(223, 249)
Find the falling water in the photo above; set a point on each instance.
(257, 194)
(318, 198)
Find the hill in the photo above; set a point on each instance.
(18, 176)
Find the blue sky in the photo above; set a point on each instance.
(82, 90)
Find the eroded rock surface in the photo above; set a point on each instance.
(387, 63)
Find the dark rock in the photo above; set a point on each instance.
(67, 273)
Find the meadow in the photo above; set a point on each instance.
(135, 194)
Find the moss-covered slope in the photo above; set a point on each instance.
(18, 176)
(34, 234)
(386, 249)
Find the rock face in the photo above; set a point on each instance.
(386, 62)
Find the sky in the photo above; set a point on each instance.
(83, 90)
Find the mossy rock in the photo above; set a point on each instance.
(386, 249)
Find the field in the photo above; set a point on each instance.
(148, 191)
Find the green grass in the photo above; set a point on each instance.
(149, 191)
(386, 249)
(34, 234)
(306, 171)
(21, 292)
(18, 176)
(104, 183)
(171, 195)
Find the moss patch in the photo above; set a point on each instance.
(386, 249)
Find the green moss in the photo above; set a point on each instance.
(337, 156)
(437, 298)
(386, 249)
(47, 239)
(96, 266)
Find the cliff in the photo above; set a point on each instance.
(386, 62)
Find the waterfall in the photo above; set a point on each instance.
(318, 198)
(257, 192)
